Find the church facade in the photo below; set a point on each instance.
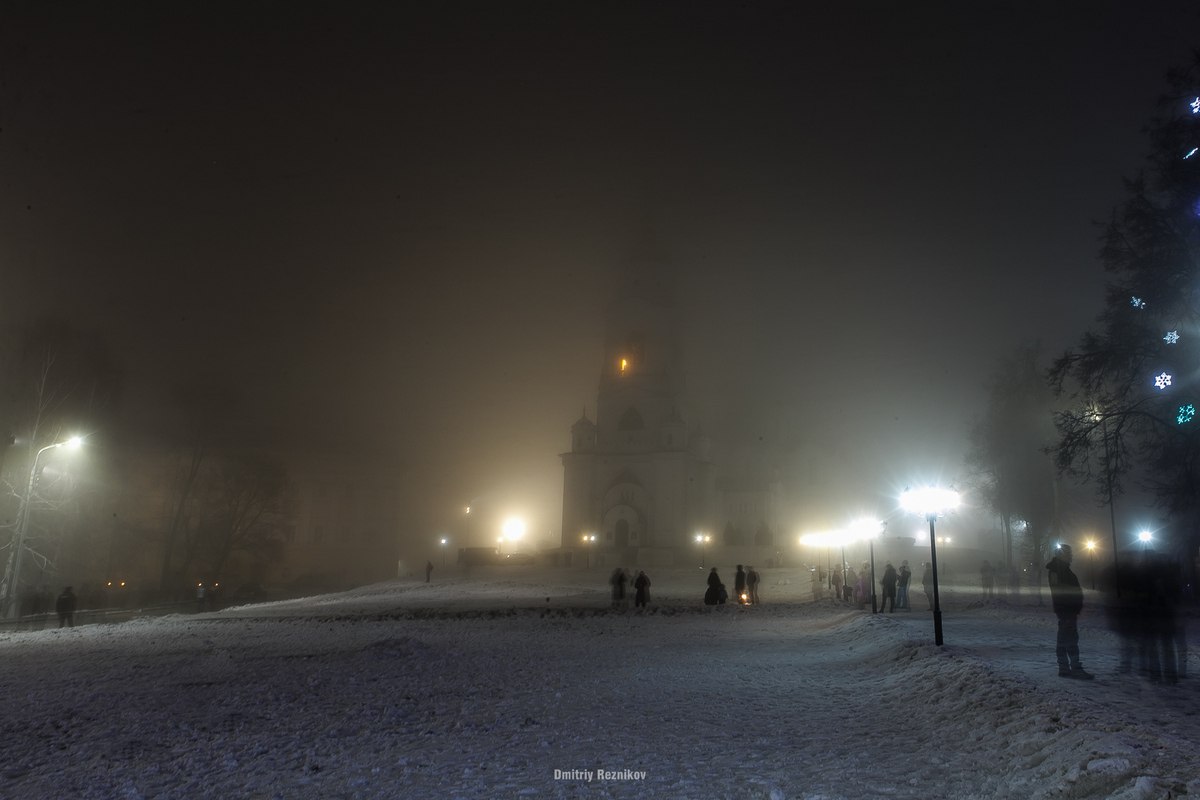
(639, 483)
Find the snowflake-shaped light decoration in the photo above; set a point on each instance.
(1137, 302)
(1163, 380)
(1172, 337)
(1195, 104)
(1186, 414)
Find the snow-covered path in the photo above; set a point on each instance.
(360, 696)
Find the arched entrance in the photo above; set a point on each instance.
(621, 534)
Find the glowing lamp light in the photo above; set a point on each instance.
(1090, 544)
(929, 500)
(864, 528)
(1145, 537)
(513, 529)
(1172, 337)
(1163, 380)
(624, 365)
(1186, 414)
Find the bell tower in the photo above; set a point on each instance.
(632, 479)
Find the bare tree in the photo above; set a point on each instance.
(1009, 464)
(57, 381)
(244, 508)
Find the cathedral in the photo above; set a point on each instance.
(639, 483)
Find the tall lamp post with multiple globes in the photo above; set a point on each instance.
(931, 501)
(12, 572)
(589, 541)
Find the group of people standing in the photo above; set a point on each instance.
(641, 588)
(745, 587)
(856, 586)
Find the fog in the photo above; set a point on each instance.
(391, 232)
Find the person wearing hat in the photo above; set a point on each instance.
(1067, 598)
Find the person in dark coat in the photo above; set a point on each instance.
(65, 606)
(641, 586)
(1067, 598)
(739, 583)
(428, 570)
(713, 596)
(752, 582)
(618, 581)
(888, 582)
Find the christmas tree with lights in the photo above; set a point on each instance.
(1134, 381)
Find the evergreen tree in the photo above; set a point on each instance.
(1134, 380)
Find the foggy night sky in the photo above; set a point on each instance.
(395, 227)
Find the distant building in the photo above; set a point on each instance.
(640, 476)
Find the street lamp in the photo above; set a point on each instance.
(513, 530)
(443, 542)
(931, 501)
(1090, 544)
(703, 539)
(589, 541)
(1145, 537)
(12, 571)
(867, 528)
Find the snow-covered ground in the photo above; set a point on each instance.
(520, 683)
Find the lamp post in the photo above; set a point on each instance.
(12, 571)
(589, 541)
(443, 542)
(1090, 544)
(867, 528)
(931, 501)
(1145, 537)
(703, 539)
